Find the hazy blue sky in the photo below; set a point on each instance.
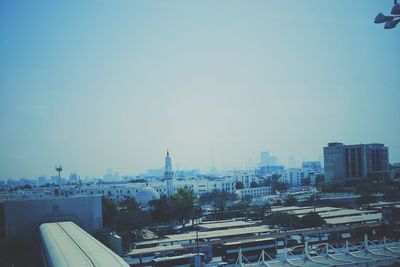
(98, 84)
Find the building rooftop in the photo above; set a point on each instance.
(224, 224)
(209, 235)
(302, 210)
(342, 213)
(287, 209)
(152, 250)
(320, 210)
(66, 244)
(354, 219)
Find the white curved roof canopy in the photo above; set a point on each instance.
(67, 245)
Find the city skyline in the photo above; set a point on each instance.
(211, 82)
(115, 173)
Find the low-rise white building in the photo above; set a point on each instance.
(255, 192)
(140, 191)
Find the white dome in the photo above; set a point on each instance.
(145, 195)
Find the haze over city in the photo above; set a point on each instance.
(98, 85)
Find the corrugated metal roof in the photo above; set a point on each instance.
(210, 235)
(354, 219)
(225, 224)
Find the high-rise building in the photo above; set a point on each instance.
(292, 162)
(346, 164)
(73, 178)
(169, 174)
(267, 160)
(311, 165)
(41, 180)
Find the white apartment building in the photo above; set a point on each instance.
(244, 176)
(293, 177)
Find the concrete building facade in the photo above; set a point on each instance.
(23, 216)
(346, 164)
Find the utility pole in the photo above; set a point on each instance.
(198, 259)
(197, 236)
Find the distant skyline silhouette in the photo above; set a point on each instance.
(95, 85)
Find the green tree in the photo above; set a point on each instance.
(219, 210)
(130, 224)
(290, 200)
(248, 198)
(2, 220)
(275, 177)
(110, 212)
(364, 188)
(267, 182)
(239, 185)
(130, 204)
(282, 219)
(312, 219)
(198, 211)
(103, 235)
(312, 200)
(183, 202)
(239, 209)
(306, 181)
(392, 195)
(161, 210)
(258, 211)
(366, 200)
(385, 230)
(215, 196)
(253, 184)
(333, 188)
(322, 187)
(320, 178)
(280, 186)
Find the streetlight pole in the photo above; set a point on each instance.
(59, 170)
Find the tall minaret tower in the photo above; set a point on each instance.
(169, 175)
